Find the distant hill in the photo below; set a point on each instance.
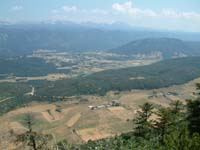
(18, 40)
(157, 75)
(22, 39)
(166, 47)
(195, 46)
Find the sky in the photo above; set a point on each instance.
(181, 15)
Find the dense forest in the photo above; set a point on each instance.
(12, 96)
(157, 75)
(27, 67)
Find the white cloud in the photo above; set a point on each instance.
(166, 18)
(127, 12)
(170, 13)
(16, 8)
(79, 10)
(191, 14)
(128, 8)
(70, 8)
(123, 8)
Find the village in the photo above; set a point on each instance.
(113, 103)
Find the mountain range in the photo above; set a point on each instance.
(22, 39)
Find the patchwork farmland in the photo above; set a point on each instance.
(78, 123)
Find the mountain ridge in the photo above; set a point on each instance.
(168, 47)
(72, 37)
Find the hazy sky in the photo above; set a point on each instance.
(162, 14)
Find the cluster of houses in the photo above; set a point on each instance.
(167, 95)
(113, 103)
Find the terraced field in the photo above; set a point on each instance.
(76, 122)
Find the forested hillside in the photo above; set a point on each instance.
(12, 95)
(168, 47)
(157, 75)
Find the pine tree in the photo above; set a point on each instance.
(193, 108)
(181, 140)
(142, 122)
(176, 107)
(163, 121)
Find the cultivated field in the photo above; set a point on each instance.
(76, 64)
(76, 122)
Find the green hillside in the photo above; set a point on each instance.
(157, 75)
(168, 47)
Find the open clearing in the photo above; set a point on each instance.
(73, 120)
(52, 115)
(49, 77)
(33, 108)
(121, 113)
(17, 127)
(93, 133)
(77, 123)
